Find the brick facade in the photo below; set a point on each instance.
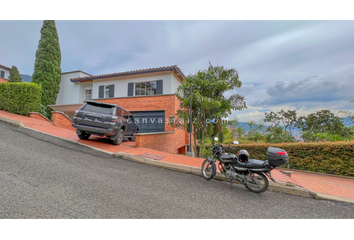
(39, 116)
(61, 120)
(166, 103)
(167, 142)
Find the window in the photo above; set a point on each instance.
(2, 74)
(106, 91)
(88, 94)
(98, 109)
(145, 88)
(125, 114)
(120, 112)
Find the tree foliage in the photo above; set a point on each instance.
(277, 134)
(287, 119)
(15, 75)
(209, 105)
(322, 122)
(256, 131)
(47, 71)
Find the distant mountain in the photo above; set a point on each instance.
(26, 78)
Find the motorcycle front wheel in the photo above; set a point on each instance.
(208, 169)
(257, 182)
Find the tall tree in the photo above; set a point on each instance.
(255, 132)
(322, 122)
(233, 124)
(287, 118)
(240, 132)
(47, 71)
(208, 101)
(15, 75)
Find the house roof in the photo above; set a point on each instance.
(173, 68)
(7, 68)
(75, 72)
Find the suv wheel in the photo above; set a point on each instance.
(120, 136)
(84, 135)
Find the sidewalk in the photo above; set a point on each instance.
(325, 184)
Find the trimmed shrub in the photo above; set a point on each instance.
(20, 98)
(330, 157)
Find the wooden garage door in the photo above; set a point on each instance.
(150, 121)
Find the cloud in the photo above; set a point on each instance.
(244, 90)
(312, 89)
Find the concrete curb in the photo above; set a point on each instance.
(275, 187)
(12, 122)
(20, 124)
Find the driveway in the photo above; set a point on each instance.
(46, 177)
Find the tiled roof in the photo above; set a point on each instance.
(7, 68)
(141, 71)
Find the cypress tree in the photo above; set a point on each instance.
(47, 71)
(15, 75)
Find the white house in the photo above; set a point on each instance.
(4, 72)
(148, 94)
(78, 86)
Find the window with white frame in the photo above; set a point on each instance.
(145, 88)
(88, 94)
(106, 91)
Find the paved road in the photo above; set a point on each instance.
(45, 177)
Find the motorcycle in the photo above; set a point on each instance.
(252, 173)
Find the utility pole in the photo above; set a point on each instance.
(190, 153)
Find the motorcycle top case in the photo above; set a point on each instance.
(276, 156)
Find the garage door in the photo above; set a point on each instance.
(150, 121)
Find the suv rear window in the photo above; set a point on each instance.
(98, 109)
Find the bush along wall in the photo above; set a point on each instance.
(330, 157)
(20, 98)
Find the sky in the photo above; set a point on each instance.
(303, 65)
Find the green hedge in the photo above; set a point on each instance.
(20, 98)
(332, 157)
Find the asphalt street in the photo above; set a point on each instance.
(45, 177)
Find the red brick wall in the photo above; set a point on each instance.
(3, 80)
(166, 142)
(61, 120)
(38, 116)
(146, 103)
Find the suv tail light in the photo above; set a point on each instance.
(76, 113)
(114, 119)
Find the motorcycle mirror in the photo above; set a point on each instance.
(235, 142)
(216, 138)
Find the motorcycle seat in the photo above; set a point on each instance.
(253, 163)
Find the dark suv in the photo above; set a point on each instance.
(103, 119)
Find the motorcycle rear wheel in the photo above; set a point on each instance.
(208, 169)
(258, 184)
